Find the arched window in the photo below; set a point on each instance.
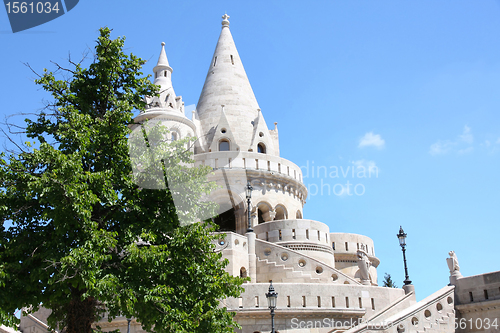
(243, 272)
(298, 215)
(174, 136)
(280, 213)
(261, 148)
(223, 145)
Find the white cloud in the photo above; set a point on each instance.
(461, 145)
(467, 136)
(370, 139)
(465, 150)
(365, 169)
(441, 147)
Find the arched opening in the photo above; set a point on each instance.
(298, 215)
(226, 220)
(243, 272)
(260, 216)
(280, 213)
(261, 148)
(263, 210)
(223, 145)
(174, 136)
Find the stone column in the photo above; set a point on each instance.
(252, 258)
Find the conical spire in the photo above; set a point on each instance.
(163, 78)
(162, 60)
(227, 84)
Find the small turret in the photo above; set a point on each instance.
(163, 78)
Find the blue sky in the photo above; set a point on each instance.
(409, 87)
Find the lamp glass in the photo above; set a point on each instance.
(248, 190)
(402, 240)
(271, 300)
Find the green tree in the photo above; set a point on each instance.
(84, 238)
(388, 281)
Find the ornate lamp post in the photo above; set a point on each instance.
(272, 296)
(402, 241)
(248, 191)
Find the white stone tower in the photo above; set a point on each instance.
(168, 107)
(236, 142)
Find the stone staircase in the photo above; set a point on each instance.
(270, 270)
(434, 314)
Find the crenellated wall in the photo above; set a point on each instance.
(345, 247)
(305, 236)
(338, 304)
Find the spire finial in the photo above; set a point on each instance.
(225, 21)
(162, 43)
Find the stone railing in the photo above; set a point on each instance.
(435, 313)
(300, 262)
(250, 161)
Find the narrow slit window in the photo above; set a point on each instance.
(485, 294)
(307, 233)
(319, 235)
(232, 60)
(165, 73)
(347, 302)
(333, 246)
(319, 301)
(373, 304)
(288, 301)
(256, 301)
(346, 246)
(280, 234)
(333, 301)
(267, 236)
(471, 297)
(240, 302)
(303, 301)
(360, 303)
(294, 236)
(215, 61)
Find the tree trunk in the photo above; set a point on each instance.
(80, 314)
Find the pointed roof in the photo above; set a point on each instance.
(227, 84)
(162, 60)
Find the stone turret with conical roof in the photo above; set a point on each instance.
(227, 85)
(168, 108)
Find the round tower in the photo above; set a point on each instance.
(233, 139)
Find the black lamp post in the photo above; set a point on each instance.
(402, 241)
(248, 191)
(272, 296)
(128, 324)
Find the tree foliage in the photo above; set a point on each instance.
(84, 238)
(388, 281)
